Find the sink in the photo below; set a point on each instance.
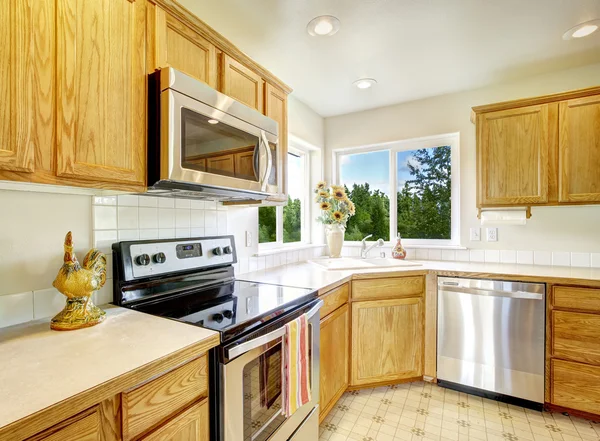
(352, 263)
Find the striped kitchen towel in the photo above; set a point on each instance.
(295, 366)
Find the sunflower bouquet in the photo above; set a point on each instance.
(336, 207)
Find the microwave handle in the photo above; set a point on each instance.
(256, 161)
(265, 179)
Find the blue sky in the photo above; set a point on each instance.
(373, 167)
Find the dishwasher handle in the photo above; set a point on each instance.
(492, 293)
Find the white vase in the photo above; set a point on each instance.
(335, 239)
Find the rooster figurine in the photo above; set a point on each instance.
(78, 283)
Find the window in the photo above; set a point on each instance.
(285, 225)
(408, 187)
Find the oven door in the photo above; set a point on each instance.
(204, 145)
(252, 405)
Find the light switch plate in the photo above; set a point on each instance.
(492, 234)
(248, 239)
(475, 234)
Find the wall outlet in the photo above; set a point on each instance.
(492, 234)
(475, 234)
(248, 239)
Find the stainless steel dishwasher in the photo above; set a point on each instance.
(491, 336)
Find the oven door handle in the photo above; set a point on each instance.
(264, 339)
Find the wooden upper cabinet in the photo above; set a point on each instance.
(276, 108)
(579, 150)
(101, 90)
(387, 341)
(513, 148)
(26, 83)
(181, 47)
(241, 83)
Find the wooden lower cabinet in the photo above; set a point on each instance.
(190, 425)
(387, 341)
(88, 428)
(576, 386)
(334, 351)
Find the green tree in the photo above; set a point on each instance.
(292, 221)
(267, 224)
(372, 213)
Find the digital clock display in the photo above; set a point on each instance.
(187, 247)
(188, 250)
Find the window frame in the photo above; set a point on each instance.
(450, 139)
(305, 212)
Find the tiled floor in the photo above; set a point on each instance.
(423, 411)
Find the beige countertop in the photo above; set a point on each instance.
(40, 367)
(309, 275)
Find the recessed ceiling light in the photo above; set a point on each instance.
(213, 121)
(582, 30)
(324, 26)
(365, 83)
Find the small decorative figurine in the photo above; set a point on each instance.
(399, 252)
(78, 283)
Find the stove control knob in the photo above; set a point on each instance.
(228, 314)
(159, 258)
(218, 251)
(227, 250)
(218, 318)
(143, 260)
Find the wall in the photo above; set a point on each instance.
(566, 229)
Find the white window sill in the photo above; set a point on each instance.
(271, 251)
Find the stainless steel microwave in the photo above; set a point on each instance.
(204, 144)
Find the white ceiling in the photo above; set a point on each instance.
(413, 48)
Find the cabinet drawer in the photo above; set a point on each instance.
(575, 336)
(153, 402)
(586, 299)
(576, 386)
(388, 288)
(333, 299)
(190, 425)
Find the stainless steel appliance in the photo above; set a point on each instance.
(204, 144)
(192, 280)
(491, 336)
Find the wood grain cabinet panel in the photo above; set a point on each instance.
(387, 340)
(579, 150)
(568, 297)
(335, 298)
(27, 55)
(222, 162)
(370, 289)
(576, 386)
(334, 359)
(276, 107)
(152, 403)
(241, 83)
(181, 47)
(101, 89)
(513, 148)
(575, 336)
(190, 425)
(244, 164)
(86, 429)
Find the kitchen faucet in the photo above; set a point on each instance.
(364, 250)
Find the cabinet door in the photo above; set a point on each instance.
(101, 112)
(387, 341)
(512, 156)
(87, 428)
(579, 150)
(576, 386)
(276, 108)
(223, 162)
(244, 164)
(181, 47)
(190, 425)
(26, 83)
(334, 359)
(241, 83)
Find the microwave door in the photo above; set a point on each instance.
(209, 147)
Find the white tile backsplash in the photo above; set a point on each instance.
(103, 239)
(166, 203)
(16, 308)
(196, 218)
(105, 217)
(561, 258)
(182, 218)
(166, 218)
(492, 256)
(197, 205)
(182, 203)
(148, 201)
(580, 259)
(508, 256)
(525, 257)
(47, 303)
(477, 256)
(166, 233)
(542, 258)
(435, 254)
(210, 219)
(128, 200)
(128, 217)
(149, 234)
(595, 260)
(462, 255)
(148, 217)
